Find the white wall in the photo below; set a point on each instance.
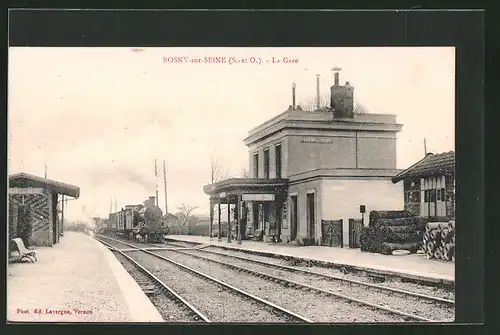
(342, 198)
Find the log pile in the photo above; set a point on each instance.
(439, 240)
(391, 230)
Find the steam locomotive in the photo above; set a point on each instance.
(139, 222)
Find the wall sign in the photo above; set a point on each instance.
(257, 197)
(321, 140)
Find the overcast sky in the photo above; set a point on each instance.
(100, 116)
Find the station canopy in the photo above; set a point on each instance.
(254, 189)
(28, 180)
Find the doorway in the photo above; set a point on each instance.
(310, 215)
(255, 215)
(293, 218)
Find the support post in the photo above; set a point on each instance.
(62, 217)
(228, 221)
(219, 238)
(211, 219)
(238, 215)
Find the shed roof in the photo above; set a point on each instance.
(27, 180)
(430, 165)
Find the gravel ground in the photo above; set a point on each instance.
(302, 302)
(209, 298)
(181, 244)
(438, 292)
(168, 308)
(422, 308)
(392, 283)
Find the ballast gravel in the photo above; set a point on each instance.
(318, 308)
(423, 308)
(167, 307)
(211, 299)
(435, 291)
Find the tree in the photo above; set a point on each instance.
(217, 171)
(246, 173)
(184, 215)
(309, 105)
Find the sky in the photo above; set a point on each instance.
(99, 117)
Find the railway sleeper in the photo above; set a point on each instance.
(379, 308)
(346, 281)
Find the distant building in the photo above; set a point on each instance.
(307, 167)
(429, 186)
(43, 197)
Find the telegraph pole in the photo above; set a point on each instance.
(165, 185)
(45, 165)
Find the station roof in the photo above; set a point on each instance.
(246, 185)
(430, 165)
(322, 120)
(27, 180)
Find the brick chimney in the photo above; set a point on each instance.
(342, 98)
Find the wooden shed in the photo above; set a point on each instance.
(44, 198)
(429, 186)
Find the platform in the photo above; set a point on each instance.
(77, 280)
(413, 266)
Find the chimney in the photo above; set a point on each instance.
(293, 95)
(317, 92)
(336, 75)
(150, 202)
(342, 98)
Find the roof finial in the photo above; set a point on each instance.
(293, 94)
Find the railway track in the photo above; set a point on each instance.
(425, 313)
(278, 313)
(150, 283)
(307, 287)
(413, 289)
(364, 285)
(363, 298)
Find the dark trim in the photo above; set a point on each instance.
(27, 180)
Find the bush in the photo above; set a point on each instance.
(25, 223)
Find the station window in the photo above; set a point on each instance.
(278, 161)
(256, 165)
(432, 196)
(266, 163)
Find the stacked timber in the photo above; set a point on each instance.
(439, 240)
(391, 230)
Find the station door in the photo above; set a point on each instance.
(332, 233)
(355, 227)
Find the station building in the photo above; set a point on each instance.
(429, 186)
(308, 168)
(44, 199)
